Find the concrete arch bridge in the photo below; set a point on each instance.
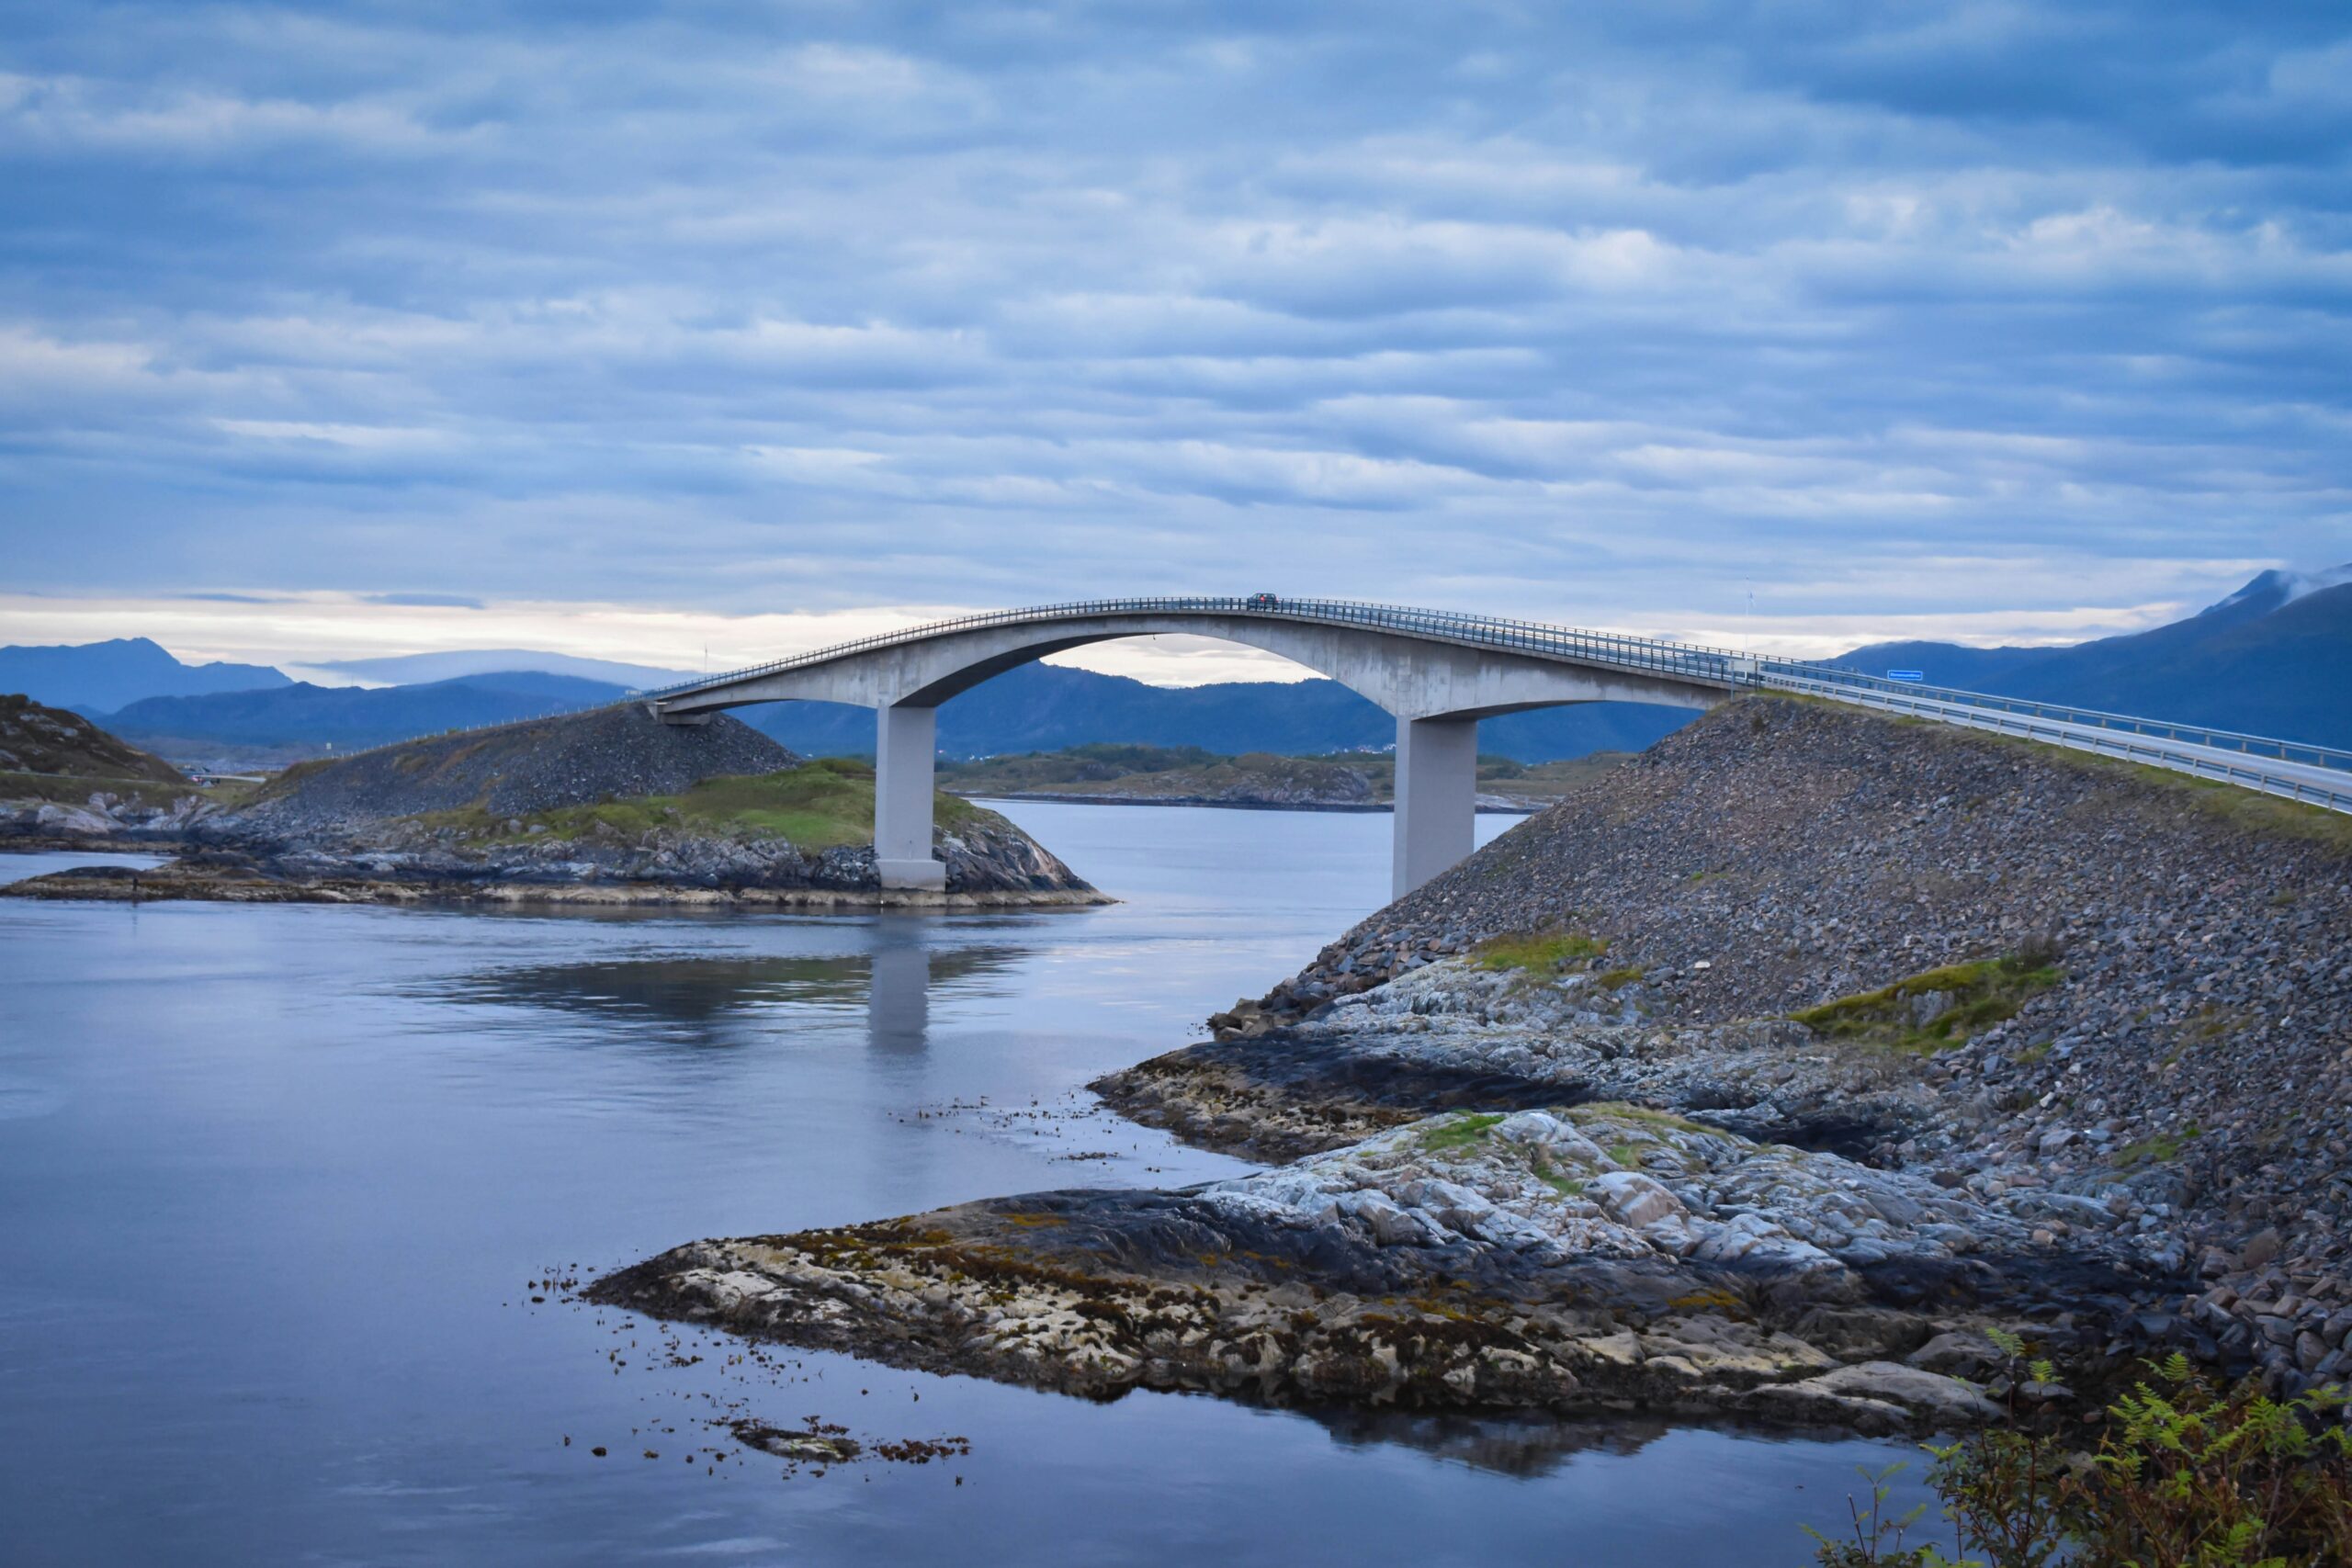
(1439, 673)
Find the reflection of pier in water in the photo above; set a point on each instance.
(701, 1000)
(897, 995)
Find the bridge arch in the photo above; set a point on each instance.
(1438, 674)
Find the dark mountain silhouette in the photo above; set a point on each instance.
(351, 717)
(99, 677)
(2274, 658)
(1035, 707)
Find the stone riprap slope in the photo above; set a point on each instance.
(574, 760)
(1593, 1258)
(2113, 1004)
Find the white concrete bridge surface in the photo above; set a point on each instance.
(1438, 673)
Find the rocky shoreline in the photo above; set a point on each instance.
(1591, 1259)
(105, 820)
(990, 864)
(203, 878)
(1762, 1077)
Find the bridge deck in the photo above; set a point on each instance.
(2318, 776)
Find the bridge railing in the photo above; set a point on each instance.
(2297, 751)
(2249, 773)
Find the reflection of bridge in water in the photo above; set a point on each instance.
(693, 996)
(1439, 673)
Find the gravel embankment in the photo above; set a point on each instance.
(2185, 1085)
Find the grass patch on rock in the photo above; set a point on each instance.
(1457, 1133)
(1938, 1008)
(1544, 953)
(1642, 1117)
(2161, 1148)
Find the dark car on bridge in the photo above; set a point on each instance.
(1264, 601)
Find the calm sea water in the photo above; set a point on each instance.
(274, 1182)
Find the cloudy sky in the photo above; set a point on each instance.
(629, 330)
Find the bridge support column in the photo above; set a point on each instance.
(1437, 797)
(906, 745)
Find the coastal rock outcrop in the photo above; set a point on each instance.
(2107, 1000)
(1583, 1259)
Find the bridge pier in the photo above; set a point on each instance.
(1436, 798)
(905, 748)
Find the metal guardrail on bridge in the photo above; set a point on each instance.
(2247, 770)
(2297, 751)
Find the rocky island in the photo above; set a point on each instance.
(609, 806)
(1765, 1076)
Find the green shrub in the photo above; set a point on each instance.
(2184, 1475)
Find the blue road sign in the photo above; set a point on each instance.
(1906, 675)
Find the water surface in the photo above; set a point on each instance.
(275, 1180)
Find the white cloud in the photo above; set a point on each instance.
(1541, 311)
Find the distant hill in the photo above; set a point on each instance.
(414, 669)
(2274, 658)
(352, 717)
(99, 677)
(576, 759)
(1187, 776)
(36, 738)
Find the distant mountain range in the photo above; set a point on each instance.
(1043, 708)
(2274, 658)
(99, 677)
(411, 669)
(348, 717)
(1037, 707)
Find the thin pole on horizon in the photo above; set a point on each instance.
(1747, 636)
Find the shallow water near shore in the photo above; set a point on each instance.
(276, 1180)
